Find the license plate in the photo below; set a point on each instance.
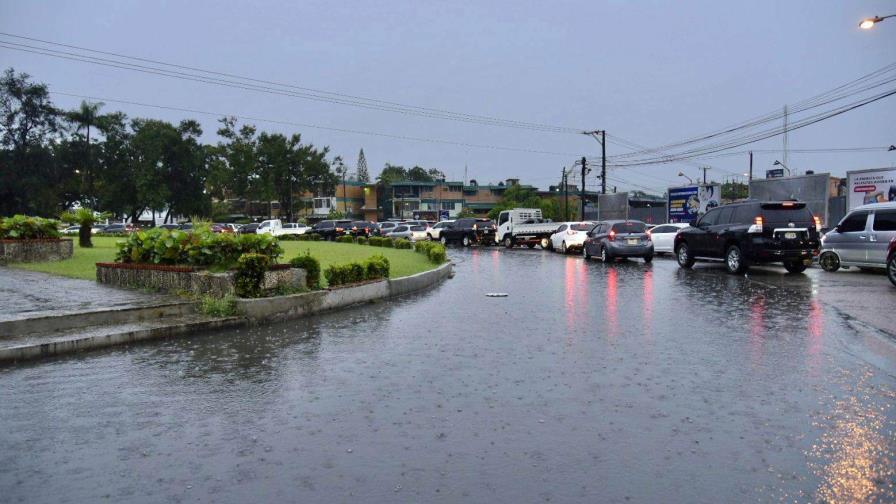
(790, 236)
(632, 241)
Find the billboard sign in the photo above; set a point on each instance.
(774, 173)
(687, 203)
(870, 186)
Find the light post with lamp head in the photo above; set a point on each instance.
(778, 163)
(869, 23)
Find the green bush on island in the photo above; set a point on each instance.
(249, 277)
(311, 267)
(403, 244)
(217, 307)
(345, 239)
(433, 250)
(309, 237)
(23, 227)
(199, 247)
(388, 242)
(361, 240)
(375, 241)
(374, 268)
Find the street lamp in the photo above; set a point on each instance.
(892, 148)
(869, 23)
(778, 163)
(681, 174)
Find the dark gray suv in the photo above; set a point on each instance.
(618, 238)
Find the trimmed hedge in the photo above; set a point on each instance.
(249, 277)
(200, 247)
(22, 227)
(374, 268)
(309, 237)
(361, 240)
(403, 244)
(345, 239)
(311, 267)
(376, 241)
(388, 242)
(433, 250)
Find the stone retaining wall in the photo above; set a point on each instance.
(174, 279)
(35, 250)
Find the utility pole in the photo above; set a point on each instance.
(603, 161)
(344, 199)
(704, 168)
(584, 167)
(785, 134)
(750, 179)
(565, 195)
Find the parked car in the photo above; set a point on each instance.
(362, 228)
(435, 231)
(275, 227)
(122, 228)
(618, 238)
(383, 228)
(251, 228)
(570, 236)
(468, 231)
(663, 236)
(524, 226)
(71, 230)
(412, 232)
(220, 228)
(752, 232)
(331, 229)
(891, 261)
(169, 225)
(186, 226)
(860, 239)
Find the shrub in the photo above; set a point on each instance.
(249, 278)
(388, 242)
(22, 227)
(200, 247)
(315, 237)
(217, 307)
(423, 246)
(345, 239)
(376, 267)
(403, 244)
(437, 253)
(361, 240)
(375, 241)
(311, 267)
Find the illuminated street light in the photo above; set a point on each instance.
(869, 23)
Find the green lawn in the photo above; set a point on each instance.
(402, 262)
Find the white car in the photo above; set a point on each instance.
(435, 232)
(293, 228)
(412, 233)
(663, 236)
(570, 236)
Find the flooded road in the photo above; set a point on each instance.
(589, 382)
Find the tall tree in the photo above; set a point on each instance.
(85, 116)
(392, 173)
(363, 175)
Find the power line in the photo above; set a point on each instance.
(315, 126)
(214, 77)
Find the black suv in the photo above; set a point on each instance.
(362, 228)
(331, 229)
(469, 231)
(752, 232)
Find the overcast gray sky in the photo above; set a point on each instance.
(649, 72)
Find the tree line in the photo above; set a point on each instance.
(53, 159)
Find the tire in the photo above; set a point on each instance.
(604, 255)
(444, 240)
(648, 258)
(563, 249)
(508, 241)
(829, 261)
(428, 237)
(891, 269)
(585, 253)
(683, 254)
(545, 243)
(530, 245)
(795, 266)
(735, 262)
(466, 241)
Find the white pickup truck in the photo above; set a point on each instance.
(275, 227)
(524, 226)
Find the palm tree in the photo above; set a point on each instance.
(85, 116)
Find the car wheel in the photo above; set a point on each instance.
(795, 266)
(545, 243)
(428, 237)
(683, 254)
(530, 245)
(891, 269)
(734, 260)
(563, 249)
(443, 240)
(466, 241)
(829, 261)
(585, 252)
(508, 241)
(648, 258)
(604, 255)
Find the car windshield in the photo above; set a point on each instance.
(581, 227)
(399, 229)
(783, 212)
(418, 228)
(629, 227)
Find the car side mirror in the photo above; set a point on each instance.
(693, 223)
(837, 228)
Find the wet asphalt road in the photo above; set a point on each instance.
(589, 382)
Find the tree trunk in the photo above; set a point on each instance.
(84, 236)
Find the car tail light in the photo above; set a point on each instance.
(612, 235)
(649, 234)
(339, 230)
(757, 225)
(817, 223)
(475, 227)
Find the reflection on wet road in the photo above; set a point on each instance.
(589, 382)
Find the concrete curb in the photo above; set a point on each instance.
(52, 323)
(66, 346)
(298, 305)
